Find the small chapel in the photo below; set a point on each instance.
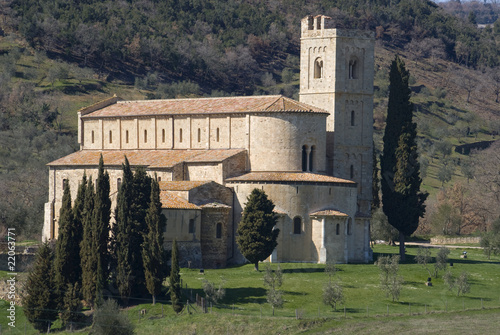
(312, 157)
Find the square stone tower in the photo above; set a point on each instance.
(336, 74)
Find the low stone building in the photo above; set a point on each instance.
(313, 158)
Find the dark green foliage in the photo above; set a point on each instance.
(403, 203)
(175, 280)
(109, 320)
(78, 208)
(72, 306)
(152, 246)
(102, 214)
(375, 182)
(257, 234)
(91, 285)
(121, 233)
(490, 240)
(65, 263)
(39, 300)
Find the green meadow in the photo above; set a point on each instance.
(245, 310)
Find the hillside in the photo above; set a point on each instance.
(210, 49)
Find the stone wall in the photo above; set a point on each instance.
(455, 240)
(215, 236)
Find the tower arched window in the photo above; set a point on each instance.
(337, 229)
(353, 69)
(311, 157)
(163, 135)
(92, 137)
(118, 183)
(145, 136)
(180, 135)
(110, 136)
(218, 230)
(318, 68)
(304, 158)
(199, 135)
(297, 225)
(126, 136)
(64, 183)
(353, 116)
(218, 134)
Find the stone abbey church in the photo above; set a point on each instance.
(312, 157)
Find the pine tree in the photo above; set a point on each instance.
(175, 280)
(122, 230)
(102, 214)
(88, 251)
(39, 300)
(152, 246)
(403, 203)
(64, 262)
(256, 232)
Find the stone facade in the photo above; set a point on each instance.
(313, 158)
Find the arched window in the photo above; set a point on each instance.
(304, 158)
(318, 23)
(110, 136)
(353, 115)
(126, 136)
(165, 226)
(349, 226)
(311, 158)
(180, 135)
(310, 23)
(191, 226)
(217, 134)
(351, 171)
(64, 183)
(118, 183)
(92, 137)
(145, 136)
(218, 230)
(337, 229)
(353, 69)
(199, 135)
(297, 225)
(159, 178)
(163, 135)
(318, 68)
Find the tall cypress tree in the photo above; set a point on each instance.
(39, 300)
(175, 280)
(78, 207)
(152, 246)
(102, 214)
(64, 261)
(141, 191)
(88, 251)
(402, 201)
(122, 231)
(375, 182)
(256, 234)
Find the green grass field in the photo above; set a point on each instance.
(245, 310)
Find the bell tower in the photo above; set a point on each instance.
(336, 74)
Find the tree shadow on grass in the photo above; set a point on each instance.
(308, 270)
(244, 295)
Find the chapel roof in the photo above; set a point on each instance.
(329, 212)
(171, 201)
(182, 185)
(205, 106)
(286, 177)
(149, 158)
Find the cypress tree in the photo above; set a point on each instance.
(72, 306)
(256, 233)
(122, 231)
(402, 201)
(175, 280)
(375, 183)
(39, 300)
(141, 194)
(64, 262)
(78, 207)
(88, 251)
(152, 247)
(102, 214)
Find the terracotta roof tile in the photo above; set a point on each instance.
(225, 105)
(171, 201)
(181, 185)
(329, 212)
(288, 177)
(150, 158)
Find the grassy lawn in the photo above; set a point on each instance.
(245, 310)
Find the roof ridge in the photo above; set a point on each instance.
(202, 98)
